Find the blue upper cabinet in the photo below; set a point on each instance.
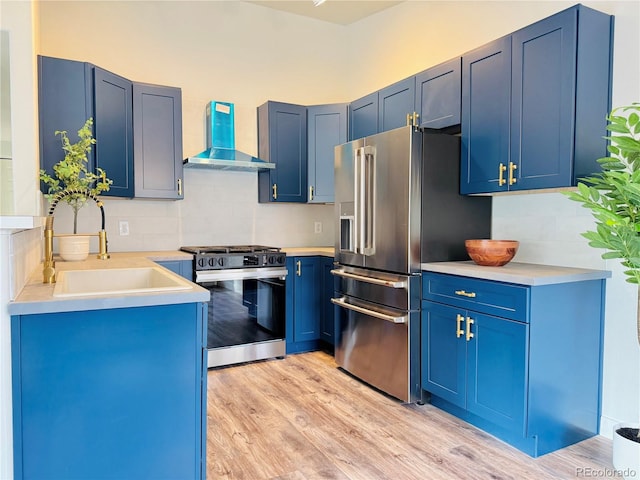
(113, 128)
(282, 139)
(437, 98)
(327, 127)
(363, 116)
(395, 105)
(560, 85)
(157, 128)
(65, 102)
(139, 124)
(486, 93)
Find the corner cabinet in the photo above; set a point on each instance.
(184, 268)
(327, 128)
(522, 362)
(534, 104)
(137, 127)
(157, 129)
(124, 393)
(70, 92)
(282, 139)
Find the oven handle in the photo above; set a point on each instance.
(372, 313)
(373, 280)
(240, 274)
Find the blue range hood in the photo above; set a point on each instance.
(221, 150)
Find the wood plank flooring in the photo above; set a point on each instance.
(302, 418)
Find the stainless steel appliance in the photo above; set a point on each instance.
(396, 205)
(246, 314)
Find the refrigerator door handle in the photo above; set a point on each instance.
(373, 280)
(372, 313)
(368, 169)
(359, 199)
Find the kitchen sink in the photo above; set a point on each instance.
(112, 281)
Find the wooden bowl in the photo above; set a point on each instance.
(491, 253)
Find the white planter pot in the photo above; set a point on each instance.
(73, 248)
(626, 454)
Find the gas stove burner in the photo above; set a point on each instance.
(231, 249)
(236, 256)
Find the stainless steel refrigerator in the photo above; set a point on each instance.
(396, 205)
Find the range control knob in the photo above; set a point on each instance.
(211, 262)
(221, 261)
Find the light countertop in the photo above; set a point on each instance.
(37, 297)
(309, 251)
(518, 273)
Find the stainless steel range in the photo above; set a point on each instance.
(246, 314)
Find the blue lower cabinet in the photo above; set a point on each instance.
(530, 375)
(184, 268)
(309, 311)
(110, 394)
(327, 327)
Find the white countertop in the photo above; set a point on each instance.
(309, 251)
(37, 297)
(518, 273)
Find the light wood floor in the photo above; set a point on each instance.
(303, 418)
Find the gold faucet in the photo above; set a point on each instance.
(49, 268)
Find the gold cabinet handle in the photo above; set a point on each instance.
(416, 116)
(469, 332)
(310, 192)
(408, 119)
(180, 186)
(501, 169)
(465, 294)
(299, 268)
(512, 178)
(459, 331)
(275, 191)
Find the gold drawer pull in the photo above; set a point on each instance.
(459, 331)
(469, 332)
(465, 294)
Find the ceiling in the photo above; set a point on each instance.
(342, 12)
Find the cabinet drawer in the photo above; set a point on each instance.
(485, 296)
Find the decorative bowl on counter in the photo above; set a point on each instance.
(491, 253)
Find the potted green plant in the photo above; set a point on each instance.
(613, 196)
(71, 173)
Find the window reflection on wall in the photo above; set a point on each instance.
(6, 174)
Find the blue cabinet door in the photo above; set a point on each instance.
(125, 393)
(282, 139)
(395, 103)
(496, 369)
(113, 129)
(157, 130)
(327, 128)
(443, 350)
(327, 327)
(307, 279)
(184, 268)
(486, 92)
(65, 102)
(438, 93)
(363, 116)
(542, 107)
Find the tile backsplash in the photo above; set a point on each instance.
(25, 255)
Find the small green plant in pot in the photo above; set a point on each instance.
(613, 196)
(71, 173)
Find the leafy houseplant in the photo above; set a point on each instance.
(613, 196)
(71, 172)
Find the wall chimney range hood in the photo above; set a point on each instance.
(221, 150)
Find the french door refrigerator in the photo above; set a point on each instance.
(396, 205)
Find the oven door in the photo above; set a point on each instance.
(246, 314)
